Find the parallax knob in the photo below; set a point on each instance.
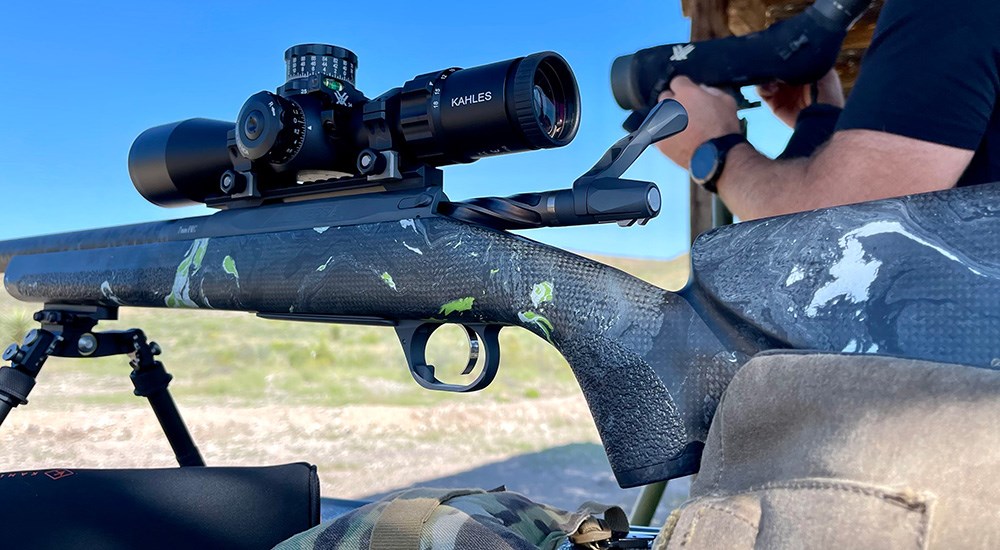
(269, 126)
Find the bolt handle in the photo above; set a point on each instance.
(665, 119)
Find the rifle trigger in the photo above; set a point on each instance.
(473, 350)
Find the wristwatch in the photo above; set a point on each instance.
(710, 158)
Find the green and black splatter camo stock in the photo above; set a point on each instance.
(915, 277)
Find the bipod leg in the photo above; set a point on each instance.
(68, 331)
(647, 503)
(151, 379)
(26, 360)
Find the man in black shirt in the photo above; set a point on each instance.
(814, 450)
(923, 116)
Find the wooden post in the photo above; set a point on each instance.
(709, 19)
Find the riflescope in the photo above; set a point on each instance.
(318, 133)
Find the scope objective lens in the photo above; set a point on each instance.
(461, 115)
(179, 164)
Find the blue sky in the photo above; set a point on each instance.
(83, 79)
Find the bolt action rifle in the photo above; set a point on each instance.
(915, 276)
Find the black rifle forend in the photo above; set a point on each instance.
(916, 276)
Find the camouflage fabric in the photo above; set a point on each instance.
(454, 520)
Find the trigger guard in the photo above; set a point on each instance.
(414, 335)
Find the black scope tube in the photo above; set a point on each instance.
(462, 115)
(171, 163)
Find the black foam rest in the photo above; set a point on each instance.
(195, 507)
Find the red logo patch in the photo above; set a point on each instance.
(59, 474)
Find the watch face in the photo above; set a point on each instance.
(704, 163)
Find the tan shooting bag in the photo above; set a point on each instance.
(847, 451)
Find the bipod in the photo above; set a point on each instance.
(68, 331)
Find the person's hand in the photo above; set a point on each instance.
(787, 101)
(711, 114)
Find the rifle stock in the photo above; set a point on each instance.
(915, 276)
(622, 343)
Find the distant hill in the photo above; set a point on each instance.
(669, 274)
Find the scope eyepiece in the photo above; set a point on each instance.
(546, 99)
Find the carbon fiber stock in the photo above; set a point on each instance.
(916, 276)
(619, 334)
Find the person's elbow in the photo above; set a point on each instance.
(865, 165)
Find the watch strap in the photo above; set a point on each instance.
(722, 145)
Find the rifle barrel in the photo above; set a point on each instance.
(270, 218)
(107, 237)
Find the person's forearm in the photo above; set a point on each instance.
(854, 166)
(754, 186)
